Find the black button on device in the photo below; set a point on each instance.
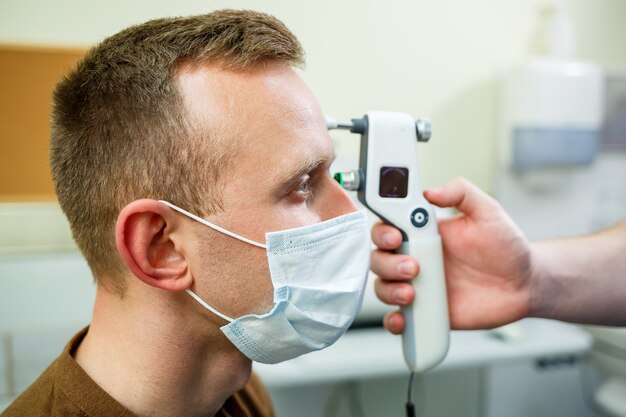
(419, 217)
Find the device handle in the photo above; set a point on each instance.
(426, 338)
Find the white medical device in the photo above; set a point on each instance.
(387, 183)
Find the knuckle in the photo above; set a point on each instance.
(463, 181)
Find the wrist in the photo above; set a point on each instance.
(538, 291)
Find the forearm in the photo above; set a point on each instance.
(582, 279)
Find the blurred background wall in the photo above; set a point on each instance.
(437, 58)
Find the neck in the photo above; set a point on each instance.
(169, 358)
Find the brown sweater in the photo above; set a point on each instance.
(64, 390)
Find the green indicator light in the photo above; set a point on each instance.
(339, 178)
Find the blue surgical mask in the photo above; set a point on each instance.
(319, 274)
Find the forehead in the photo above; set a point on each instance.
(266, 111)
(269, 95)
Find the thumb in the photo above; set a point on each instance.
(465, 197)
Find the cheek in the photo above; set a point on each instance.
(254, 223)
(251, 289)
(232, 276)
(290, 216)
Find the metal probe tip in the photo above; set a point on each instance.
(338, 124)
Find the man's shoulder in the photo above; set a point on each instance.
(64, 389)
(43, 398)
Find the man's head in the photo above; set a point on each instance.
(207, 113)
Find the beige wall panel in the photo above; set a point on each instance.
(27, 78)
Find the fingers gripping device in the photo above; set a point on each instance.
(387, 183)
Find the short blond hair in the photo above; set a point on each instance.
(120, 133)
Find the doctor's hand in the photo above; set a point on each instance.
(487, 262)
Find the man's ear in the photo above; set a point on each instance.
(143, 235)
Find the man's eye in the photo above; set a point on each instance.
(303, 188)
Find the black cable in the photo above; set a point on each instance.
(410, 407)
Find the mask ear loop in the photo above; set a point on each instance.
(208, 307)
(213, 226)
(218, 229)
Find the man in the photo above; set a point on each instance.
(494, 276)
(160, 131)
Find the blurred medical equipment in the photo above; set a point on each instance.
(387, 183)
(551, 116)
(551, 106)
(550, 128)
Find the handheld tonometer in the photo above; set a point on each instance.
(387, 183)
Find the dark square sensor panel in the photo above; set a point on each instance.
(394, 182)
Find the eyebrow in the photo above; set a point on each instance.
(303, 168)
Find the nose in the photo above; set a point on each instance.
(338, 202)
